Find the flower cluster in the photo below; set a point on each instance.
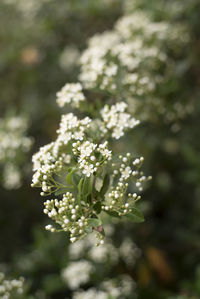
(84, 258)
(132, 48)
(77, 273)
(116, 200)
(54, 157)
(116, 120)
(69, 214)
(132, 62)
(78, 214)
(95, 254)
(72, 94)
(121, 287)
(91, 156)
(14, 145)
(128, 252)
(10, 288)
(78, 166)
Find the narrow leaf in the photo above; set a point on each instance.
(69, 177)
(113, 214)
(98, 184)
(106, 183)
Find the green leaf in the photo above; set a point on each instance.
(98, 184)
(69, 177)
(135, 216)
(112, 213)
(88, 229)
(87, 186)
(94, 222)
(106, 183)
(80, 184)
(97, 207)
(75, 179)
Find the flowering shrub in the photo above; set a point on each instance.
(14, 144)
(80, 166)
(47, 37)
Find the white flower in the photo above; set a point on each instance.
(88, 170)
(72, 94)
(126, 172)
(10, 288)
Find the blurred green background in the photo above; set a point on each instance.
(40, 43)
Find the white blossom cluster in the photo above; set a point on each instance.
(14, 145)
(121, 288)
(122, 57)
(116, 200)
(85, 258)
(54, 157)
(129, 252)
(77, 215)
(71, 216)
(11, 177)
(88, 153)
(116, 120)
(10, 288)
(95, 254)
(77, 168)
(71, 94)
(90, 294)
(109, 253)
(127, 61)
(96, 71)
(77, 273)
